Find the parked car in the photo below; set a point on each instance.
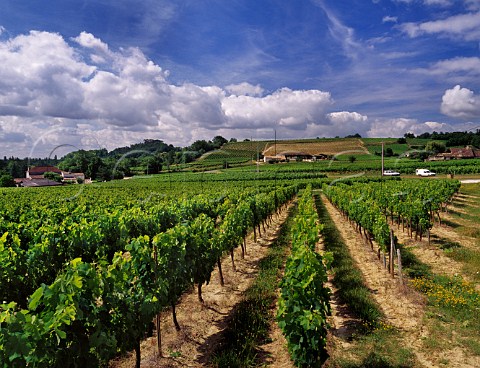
(391, 173)
(424, 172)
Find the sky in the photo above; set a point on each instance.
(90, 74)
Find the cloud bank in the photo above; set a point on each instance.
(46, 83)
(81, 93)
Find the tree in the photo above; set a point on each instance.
(476, 141)
(425, 135)
(356, 135)
(352, 159)
(218, 141)
(153, 164)
(201, 146)
(435, 147)
(388, 152)
(16, 168)
(6, 180)
(94, 165)
(53, 176)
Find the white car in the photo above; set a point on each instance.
(390, 173)
(424, 172)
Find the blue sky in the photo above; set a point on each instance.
(108, 73)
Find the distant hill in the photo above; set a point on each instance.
(324, 146)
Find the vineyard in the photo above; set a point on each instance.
(89, 272)
(321, 146)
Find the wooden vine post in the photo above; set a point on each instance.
(157, 319)
(392, 252)
(399, 262)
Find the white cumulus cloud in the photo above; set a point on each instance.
(285, 107)
(84, 88)
(245, 89)
(344, 117)
(398, 127)
(460, 102)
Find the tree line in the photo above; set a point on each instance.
(148, 157)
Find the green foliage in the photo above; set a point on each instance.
(368, 205)
(435, 147)
(6, 180)
(304, 303)
(53, 176)
(249, 325)
(134, 252)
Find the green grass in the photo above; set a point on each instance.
(249, 324)
(347, 278)
(377, 350)
(373, 344)
(466, 224)
(453, 304)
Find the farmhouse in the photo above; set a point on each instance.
(296, 155)
(467, 152)
(456, 154)
(68, 177)
(37, 183)
(35, 177)
(441, 157)
(39, 171)
(273, 159)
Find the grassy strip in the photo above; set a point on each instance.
(374, 344)
(470, 258)
(347, 277)
(453, 305)
(466, 224)
(250, 322)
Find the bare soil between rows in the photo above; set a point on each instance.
(202, 324)
(403, 307)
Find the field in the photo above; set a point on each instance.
(366, 154)
(87, 268)
(324, 146)
(235, 154)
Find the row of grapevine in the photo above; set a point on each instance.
(94, 309)
(362, 210)
(414, 203)
(35, 250)
(41, 238)
(304, 301)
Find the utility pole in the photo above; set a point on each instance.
(382, 159)
(275, 143)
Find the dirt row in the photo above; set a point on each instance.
(202, 325)
(402, 307)
(432, 254)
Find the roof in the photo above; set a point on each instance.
(40, 170)
(40, 183)
(465, 152)
(295, 153)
